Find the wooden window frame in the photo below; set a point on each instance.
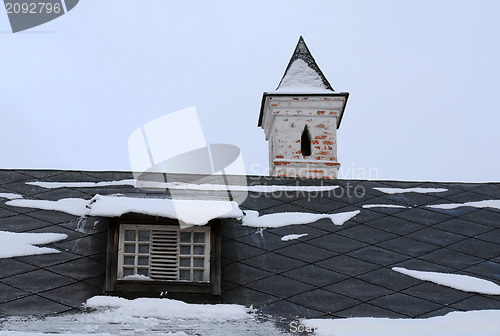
(136, 288)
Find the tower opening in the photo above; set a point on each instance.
(305, 142)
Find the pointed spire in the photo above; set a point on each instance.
(302, 71)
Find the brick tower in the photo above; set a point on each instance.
(300, 119)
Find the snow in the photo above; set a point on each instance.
(55, 185)
(281, 219)
(471, 323)
(137, 277)
(193, 212)
(181, 186)
(14, 244)
(292, 236)
(168, 309)
(464, 283)
(300, 78)
(10, 196)
(72, 206)
(368, 206)
(24, 333)
(146, 316)
(479, 204)
(407, 190)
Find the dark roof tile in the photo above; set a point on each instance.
(368, 310)
(72, 295)
(464, 228)
(367, 234)
(282, 287)
(336, 243)
(406, 304)
(248, 296)
(395, 225)
(450, 258)
(32, 305)
(37, 281)
(423, 217)
(385, 277)
(314, 275)
(437, 293)
(305, 252)
(273, 262)
(378, 255)
(358, 289)
(406, 246)
(324, 301)
(348, 265)
(289, 309)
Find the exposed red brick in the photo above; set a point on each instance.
(320, 112)
(328, 142)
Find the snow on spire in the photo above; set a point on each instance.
(302, 74)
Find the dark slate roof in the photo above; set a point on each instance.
(335, 271)
(303, 53)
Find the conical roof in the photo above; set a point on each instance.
(302, 74)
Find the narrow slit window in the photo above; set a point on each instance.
(305, 142)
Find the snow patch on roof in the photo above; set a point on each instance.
(137, 277)
(168, 309)
(293, 236)
(193, 212)
(368, 206)
(14, 244)
(108, 316)
(10, 196)
(464, 283)
(72, 206)
(301, 78)
(407, 190)
(55, 185)
(181, 186)
(471, 323)
(281, 219)
(479, 204)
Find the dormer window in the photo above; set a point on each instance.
(164, 253)
(150, 256)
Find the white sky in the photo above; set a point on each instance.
(423, 76)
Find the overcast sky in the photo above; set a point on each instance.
(424, 79)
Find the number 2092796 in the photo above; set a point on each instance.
(32, 7)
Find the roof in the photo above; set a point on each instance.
(303, 64)
(335, 270)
